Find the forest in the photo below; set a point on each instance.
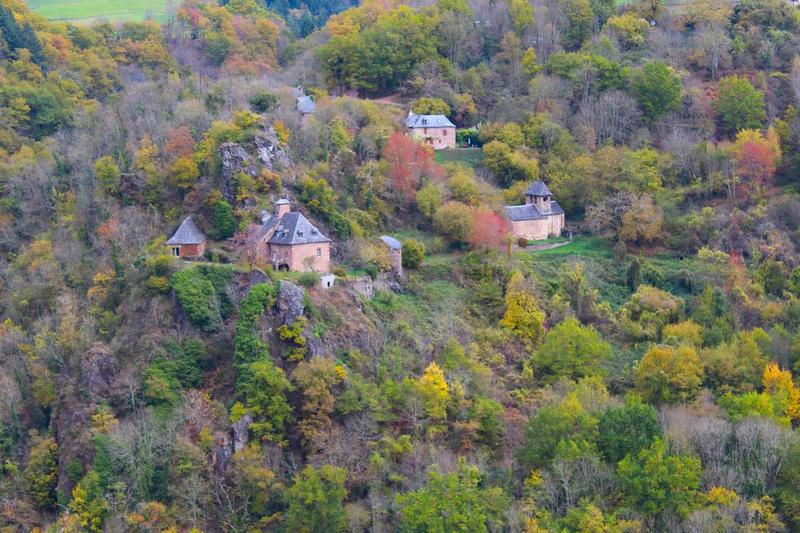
(634, 373)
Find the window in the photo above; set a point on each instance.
(176, 251)
(319, 252)
(424, 130)
(444, 132)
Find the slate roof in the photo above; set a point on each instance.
(531, 212)
(428, 121)
(538, 189)
(294, 228)
(187, 233)
(306, 105)
(391, 242)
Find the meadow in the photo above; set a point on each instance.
(87, 11)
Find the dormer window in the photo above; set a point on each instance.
(299, 233)
(424, 121)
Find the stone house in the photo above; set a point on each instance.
(288, 241)
(395, 253)
(188, 240)
(305, 103)
(434, 130)
(540, 217)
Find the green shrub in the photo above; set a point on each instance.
(309, 279)
(413, 253)
(263, 102)
(224, 221)
(202, 295)
(293, 335)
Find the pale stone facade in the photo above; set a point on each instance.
(395, 254)
(540, 217)
(435, 130)
(309, 257)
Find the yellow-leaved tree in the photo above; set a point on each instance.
(780, 386)
(435, 392)
(523, 316)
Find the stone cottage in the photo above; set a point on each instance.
(395, 253)
(188, 240)
(305, 103)
(434, 130)
(288, 241)
(540, 217)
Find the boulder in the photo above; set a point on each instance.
(290, 302)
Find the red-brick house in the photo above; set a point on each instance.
(188, 240)
(289, 241)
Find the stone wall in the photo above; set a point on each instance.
(192, 250)
(294, 256)
(535, 230)
(438, 138)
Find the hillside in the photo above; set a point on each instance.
(242, 288)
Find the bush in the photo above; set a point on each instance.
(309, 279)
(202, 294)
(263, 102)
(224, 221)
(522, 242)
(413, 253)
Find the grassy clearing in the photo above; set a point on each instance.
(580, 246)
(470, 157)
(88, 11)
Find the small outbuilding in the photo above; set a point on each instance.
(187, 241)
(327, 280)
(395, 253)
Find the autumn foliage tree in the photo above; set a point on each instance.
(523, 317)
(410, 164)
(489, 229)
(757, 158)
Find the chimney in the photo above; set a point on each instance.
(282, 207)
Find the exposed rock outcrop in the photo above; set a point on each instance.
(241, 432)
(270, 151)
(266, 151)
(98, 372)
(222, 453)
(290, 302)
(235, 159)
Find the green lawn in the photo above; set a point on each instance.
(582, 246)
(87, 11)
(471, 157)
